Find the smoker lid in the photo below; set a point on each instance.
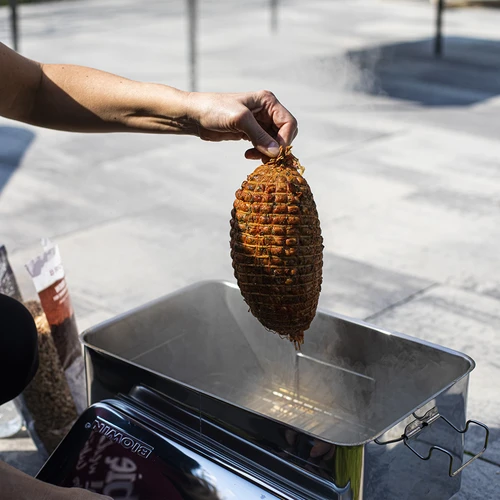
(349, 384)
(114, 450)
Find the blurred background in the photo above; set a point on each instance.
(398, 133)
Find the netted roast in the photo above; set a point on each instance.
(277, 247)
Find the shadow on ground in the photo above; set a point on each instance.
(468, 72)
(14, 141)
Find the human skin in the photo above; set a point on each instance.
(82, 99)
(17, 485)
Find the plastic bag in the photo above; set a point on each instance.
(48, 277)
(46, 403)
(8, 283)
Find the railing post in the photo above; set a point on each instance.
(192, 27)
(438, 41)
(13, 24)
(274, 15)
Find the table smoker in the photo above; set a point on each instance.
(191, 398)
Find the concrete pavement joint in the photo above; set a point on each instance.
(103, 223)
(402, 302)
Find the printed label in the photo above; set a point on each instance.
(118, 436)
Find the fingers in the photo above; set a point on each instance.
(319, 449)
(256, 116)
(282, 120)
(255, 154)
(287, 124)
(259, 137)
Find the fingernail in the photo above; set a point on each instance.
(273, 148)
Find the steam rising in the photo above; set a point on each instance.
(341, 79)
(347, 385)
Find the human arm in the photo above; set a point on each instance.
(16, 485)
(82, 99)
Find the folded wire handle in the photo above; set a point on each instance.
(429, 418)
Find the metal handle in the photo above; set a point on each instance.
(414, 428)
(439, 448)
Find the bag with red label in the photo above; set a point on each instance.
(49, 279)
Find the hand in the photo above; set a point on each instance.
(57, 493)
(318, 450)
(18, 485)
(255, 116)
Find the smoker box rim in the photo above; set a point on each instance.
(227, 283)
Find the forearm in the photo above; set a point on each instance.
(16, 485)
(8, 478)
(82, 99)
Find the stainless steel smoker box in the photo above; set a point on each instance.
(343, 418)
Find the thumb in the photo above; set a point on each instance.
(259, 137)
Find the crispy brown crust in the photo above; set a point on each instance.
(277, 247)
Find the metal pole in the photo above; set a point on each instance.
(274, 15)
(192, 28)
(13, 23)
(438, 49)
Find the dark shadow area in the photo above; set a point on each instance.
(14, 141)
(467, 73)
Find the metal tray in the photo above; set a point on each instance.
(348, 384)
(352, 387)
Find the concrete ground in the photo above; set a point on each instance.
(401, 151)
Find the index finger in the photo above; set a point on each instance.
(286, 123)
(271, 111)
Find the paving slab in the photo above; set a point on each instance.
(359, 290)
(437, 228)
(480, 481)
(400, 149)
